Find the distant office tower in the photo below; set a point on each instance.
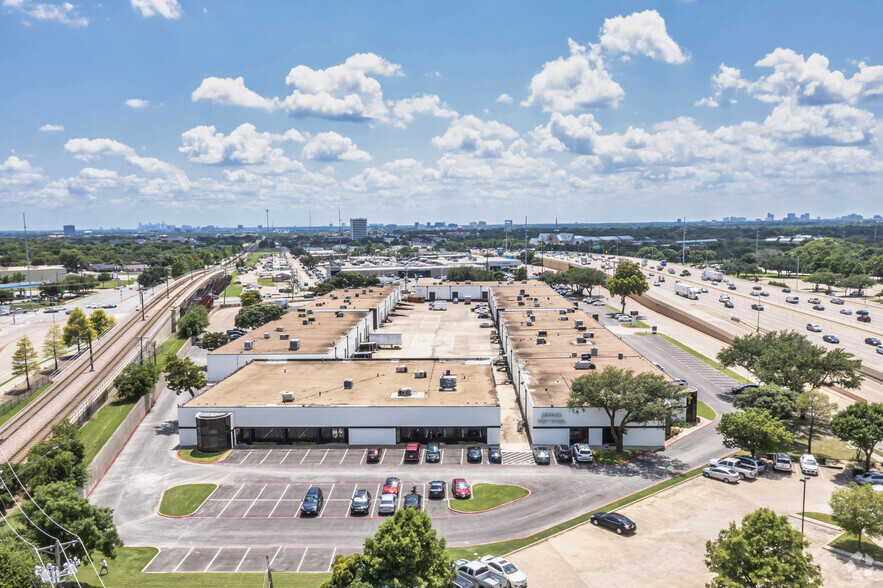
(507, 224)
(69, 230)
(358, 228)
(770, 217)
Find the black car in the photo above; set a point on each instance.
(437, 489)
(361, 502)
(872, 341)
(739, 388)
(433, 453)
(413, 500)
(728, 304)
(312, 504)
(731, 287)
(612, 520)
(863, 318)
(373, 455)
(473, 454)
(830, 339)
(563, 454)
(495, 455)
(757, 307)
(818, 307)
(542, 456)
(786, 290)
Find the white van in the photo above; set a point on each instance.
(792, 299)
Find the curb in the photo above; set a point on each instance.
(181, 516)
(472, 512)
(219, 460)
(850, 555)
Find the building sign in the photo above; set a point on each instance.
(553, 417)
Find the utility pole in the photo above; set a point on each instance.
(141, 294)
(756, 239)
(267, 210)
(57, 575)
(24, 223)
(525, 247)
(684, 243)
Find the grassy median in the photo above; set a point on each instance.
(486, 496)
(613, 457)
(198, 456)
(705, 411)
(183, 500)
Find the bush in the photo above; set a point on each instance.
(194, 322)
(777, 284)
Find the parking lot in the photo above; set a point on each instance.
(246, 559)
(275, 501)
(454, 455)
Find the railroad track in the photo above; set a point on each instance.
(73, 386)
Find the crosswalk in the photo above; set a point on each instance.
(518, 457)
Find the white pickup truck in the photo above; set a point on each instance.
(745, 470)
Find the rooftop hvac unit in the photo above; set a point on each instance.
(448, 382)
(573, 354)
(310, 310)
(347, 384)
(280, 329)
(541, 333)
(306, 321)
(357, 294)
(571, 310)
(589, 335)
(577, 323)
(364, 291)
(401, 369)
(302, 315)
(293, 344)
(346, 289)
(529, 312)
(312, 319)
(266, 335)
(563, 318)
(581, 328)
(521, 291)
(619, 356)
(529, 322)
(283, 336)
(287, 396)
(447, 372)
(562, 311)
(584, 365)
(585, 356)
(595, 352)
(520, 303)
(404, 391)
(249, 345)
(541, 341)
(419, 373)
(537, 303)
(338, 314)
(370, 289)
(343, 306)
(580, 340)
(518, 298)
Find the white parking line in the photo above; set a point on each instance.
(255, 501)
(330, 563)
(278, 501)
(364, 457)
(272, 559)
(269, 451)
(244, 555)
(213, 559)
(302, 558)
(230, 501)
(182, 560)
(305, 456)
(325, 503)
(462, 455)
(284, 457)
(323, 457)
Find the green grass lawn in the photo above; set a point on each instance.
(612, 457)
(820, 516)
(95, 433)
(485, 496)
(170, 346)
(705, 411)
(198, 456)
(183, 500)
(266, 282)
(824, 443)
(114, 283)
(849, 543)
(504, 547)
(125, 572)
(11, 413)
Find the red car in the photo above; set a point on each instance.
(391, 486)
(460, 488)
(373, 455)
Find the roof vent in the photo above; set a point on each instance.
(347, 384)
(266, 335)
(404, 392)
(419, 373)
(541, 341)
(287, 396)
(338, 314)
(284, 336)
(280, 329)
(249, 345)
(448, 382)
(401, 369)
(293, 344)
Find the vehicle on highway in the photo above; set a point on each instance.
(782, 462)
(582, 453)
(505, 568)
(845, 311)
(757, 287)
(473, 454)
(753, 293)
(809, 465)
(764, 293)
(755, 462)
(391, 486)
(830, 339)
(863, 318)
(813, 300)
(615, 521)
(479, 574)
(412, 452)
(880, 349)
(413, 500)
(312, 503)
(703, 290)
(838, 301)
(723, 297)
(815, 328)
(792, 299)
(718, 473)
(495, 455)
(731, 287)
(433, 453)
(744, 470)
(361, 502)
(818, 307)
(542, 456)
(388, 504)
(563, 454)
(662, 278)
(869, 478)
(372, 455)
(728, 304)
(757, 306)
(872, 341)
(656, 283)
(671, 271)
(437, 489)
(680, 382)
(786, 290)
(862, 312)
(460, 488)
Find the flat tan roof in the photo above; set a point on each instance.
(438, 282)
(376, 383)
(536, 296)
(316, 337)
(351, 298)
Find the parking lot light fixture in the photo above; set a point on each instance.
(804, 479)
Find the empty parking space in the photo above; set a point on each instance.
(198, 560)
(393, 456)
(452, 456)
(228, 559)
(436, 507)
(317, 559)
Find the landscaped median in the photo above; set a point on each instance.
(181, 501)
(197, 456)
(489, 496)
(847, 541)
(613, 457)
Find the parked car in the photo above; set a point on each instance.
(479, 574)
(505, 568)
(495, 455)
(815, 328)
(373, 455)
(388, 504)
(872, 341)
(809, 465)
(680, 383)
(563, 454)
(755, 462)
(744, 470)
(739, 388)
(718, 473)
(542, 456)
(473, 454)
(391, 486)
(582, 453)
(830, 339)
(869, 478)
(412, 452)
(782, 462)
(414, 500)
(613, 520)
(109, 305)
(624, 318)
(460, 488)
(312, 503)
(433, 453)
(361, 502)
(437, 489)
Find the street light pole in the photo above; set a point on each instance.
(803, 508)
(758, 319)
(141, 293)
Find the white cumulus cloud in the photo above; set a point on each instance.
(641, 33)
(64, 13)
(231, 92)
(504, 99)
(91, 149)
(152, 165)
(470, 134)
(165, 8)
(49, 128)
(403, 111)
(244, 145)
(331, 146)
(137, 103)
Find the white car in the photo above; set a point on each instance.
(583, 453)
(505, 568)
(809, 465)
(720, 473)
(846, 311)
(782, 462)
(624, 318)
(869, 478)
(815, 328)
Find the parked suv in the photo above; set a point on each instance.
(782, 462)
(582, 453)
(433, 453)
(412, 452)
(755, 462)
(312, 504)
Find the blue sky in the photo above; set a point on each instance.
(210, 112)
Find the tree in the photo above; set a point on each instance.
(24, 360)
(553, 278)
(179, 268)
(520, 274)
(754, 430)
(212, 341)
(817, 408)
(406, 552)
(182, 375)
(627, 280)
(67, 516)
(77, 326)
(626, 397)
(57, 459)
(103, 277)
(152, 276)
(136, 380)
(585, 278)
(194, 322)
(53, 344)
(72, 260)
(789, 360)
(101, 321)
(862, 425)
(778, 401)
(766, 551)
(17, 563)
(253, 317)
(858, 510)
(249, 298)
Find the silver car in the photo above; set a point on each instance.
(721, 473)
(869, 478)
(782, 462)
(388, 503)
(809, 465)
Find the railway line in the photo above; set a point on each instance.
(78, 385)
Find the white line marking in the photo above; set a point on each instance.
(302, 558)
(324, 455)
(284, 490)
(231, 500)
(254, 501)
(213, 559)
(244, 555)
(332, 559)
(344, 455)
(272, 559)
(305, 456)
(266, 456)
(182, 560)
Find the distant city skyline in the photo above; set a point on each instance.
(127, 112)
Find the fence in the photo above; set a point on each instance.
(22, 394)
